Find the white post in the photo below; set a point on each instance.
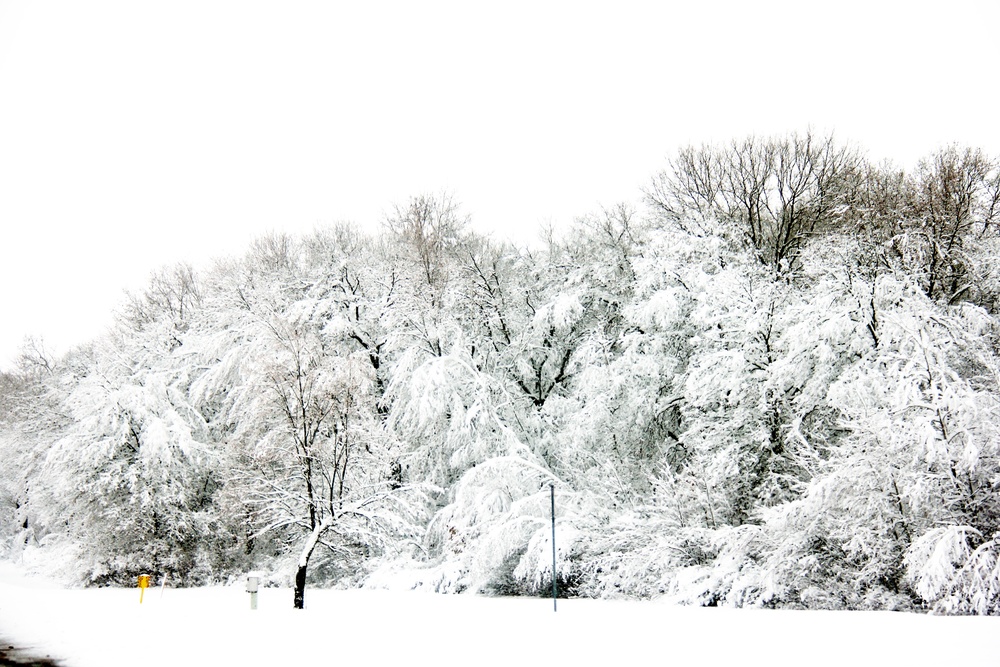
(253, 582)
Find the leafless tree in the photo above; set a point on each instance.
(956, 204)
(430, 226)
(312, 463)
(769, 194)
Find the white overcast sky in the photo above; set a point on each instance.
(138, 134)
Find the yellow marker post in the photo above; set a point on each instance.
(143, 585)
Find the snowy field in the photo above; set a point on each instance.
(215, 626)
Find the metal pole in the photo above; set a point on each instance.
(552, 489)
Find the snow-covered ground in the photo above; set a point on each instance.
(215, 626)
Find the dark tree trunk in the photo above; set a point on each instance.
(300, 587)
(307, 549)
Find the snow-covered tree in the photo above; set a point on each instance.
(311, 460)
(133, 475)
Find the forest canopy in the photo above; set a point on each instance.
(773, 382)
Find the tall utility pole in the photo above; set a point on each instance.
(552, 494)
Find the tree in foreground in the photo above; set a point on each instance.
(313, 465)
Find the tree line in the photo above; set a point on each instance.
(772, 382)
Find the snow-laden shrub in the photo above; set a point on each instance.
(954, 571)
(532, 574)
(497, 508)
(631, 554)
(407, 574)
(56, 557)
(735, 577)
